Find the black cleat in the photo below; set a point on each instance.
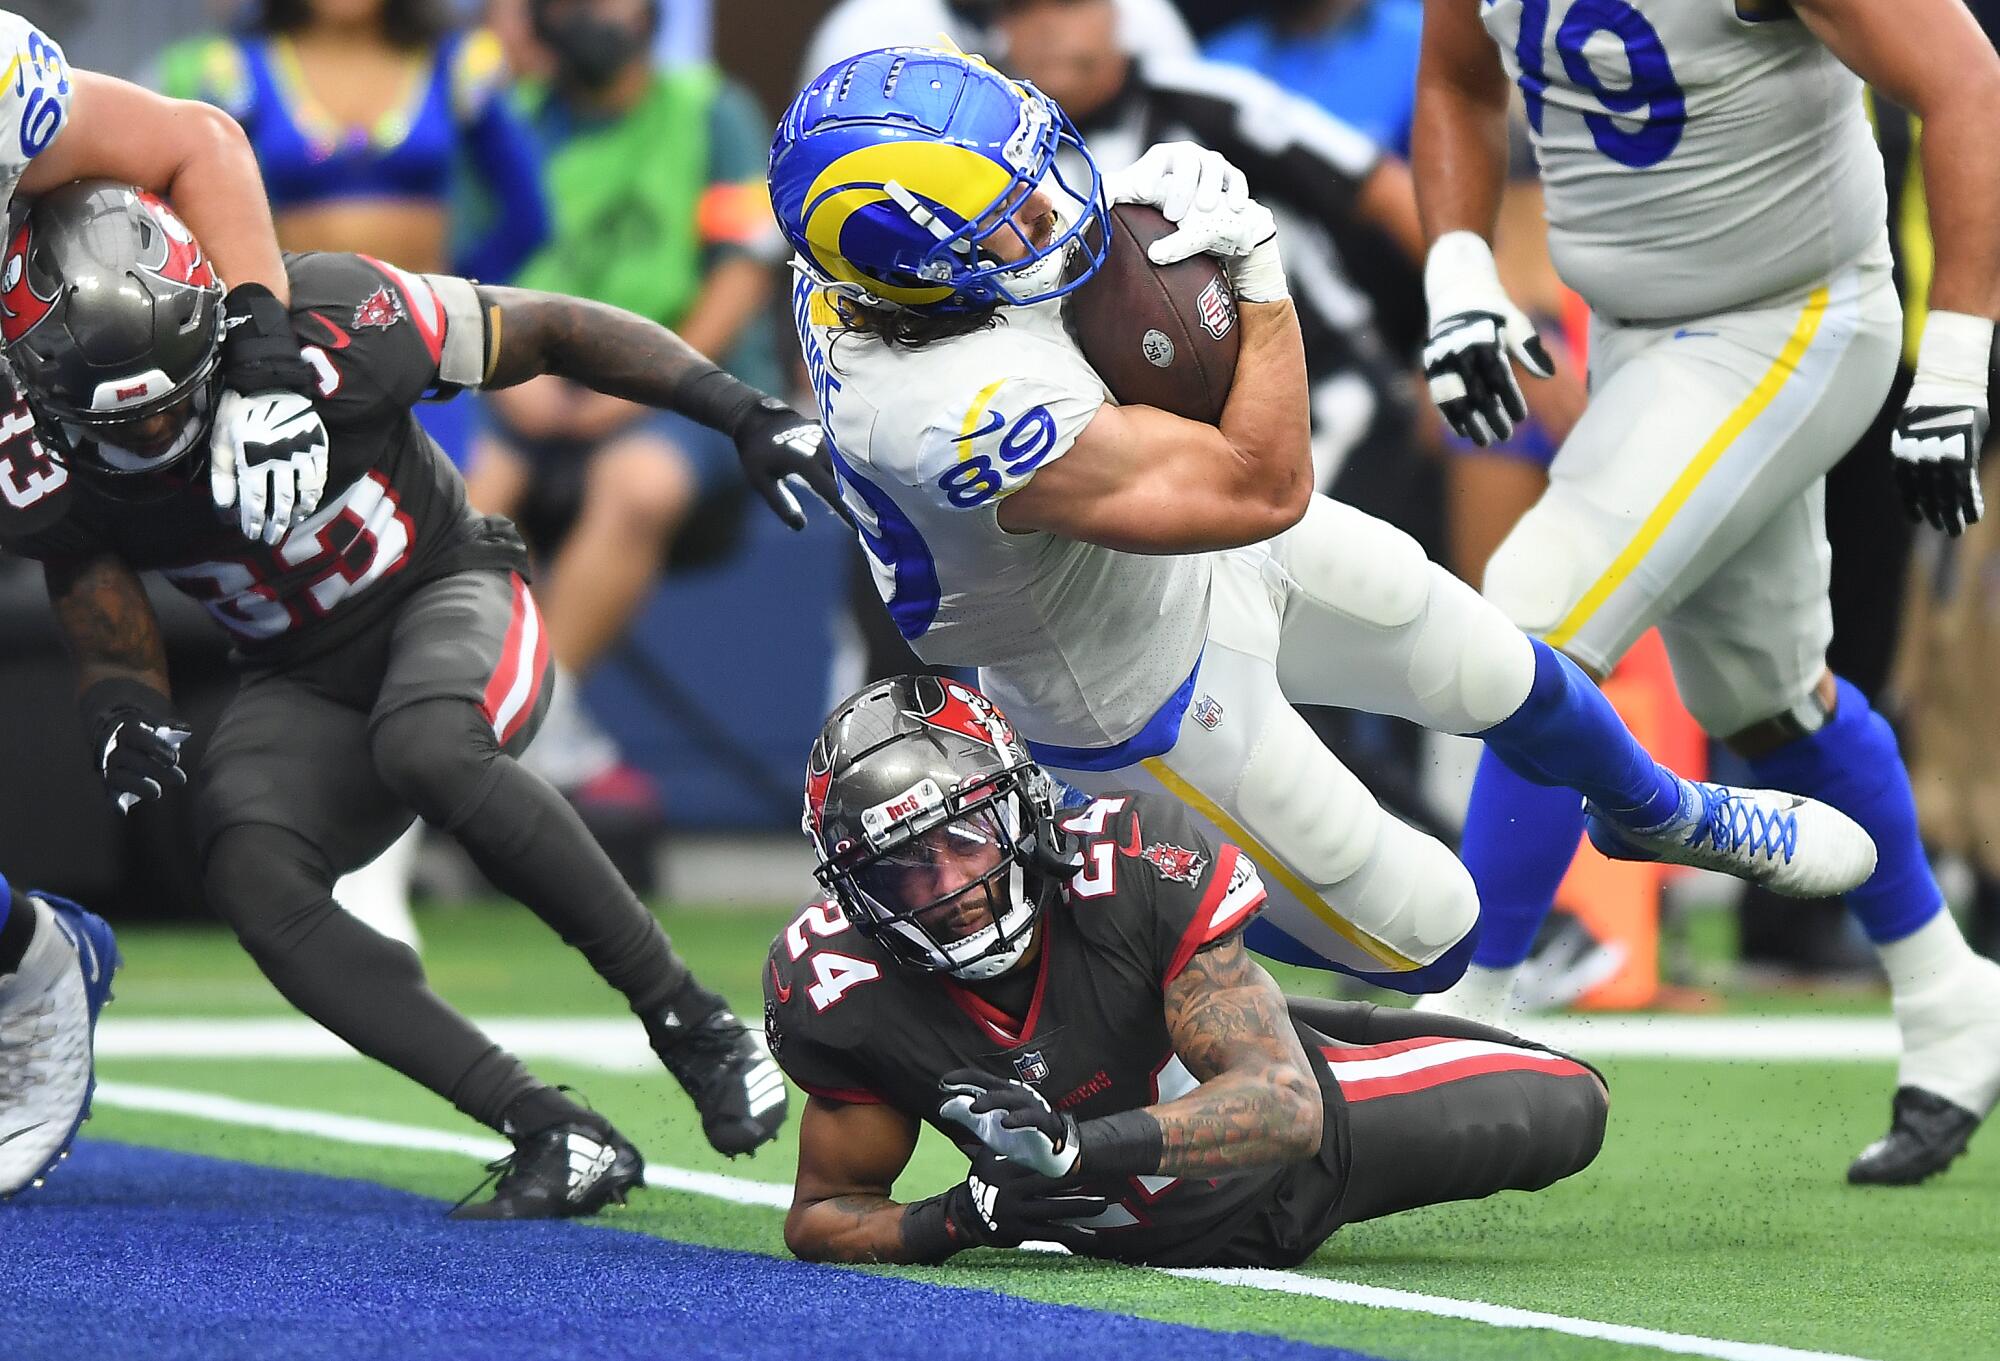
(1925, 1133)
(727, 1069)
(562, 1172)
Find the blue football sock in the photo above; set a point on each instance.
(1567, 733)
(1520, 837)
(1854, 764)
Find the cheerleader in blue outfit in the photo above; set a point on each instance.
(367, 116)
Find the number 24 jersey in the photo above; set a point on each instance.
(849, 1024)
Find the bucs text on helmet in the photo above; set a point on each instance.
(113, 322)
(935, 829)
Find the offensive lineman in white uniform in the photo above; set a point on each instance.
(1140, 591)
(59, 124)
(1715, 195)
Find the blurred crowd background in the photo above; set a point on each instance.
(615, 149)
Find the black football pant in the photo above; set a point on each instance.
(1422, 1109)
(315, 768)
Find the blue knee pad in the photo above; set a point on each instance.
(1854, 764)
(1260, 937)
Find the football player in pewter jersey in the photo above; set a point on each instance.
(57, 124)
(393, 661)
(1715, 195)
(1147, 596)
(1066, 995)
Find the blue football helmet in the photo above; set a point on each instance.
(893, 169)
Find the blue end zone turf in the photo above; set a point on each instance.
(137, 1252)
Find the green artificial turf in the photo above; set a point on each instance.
(1716, 1209)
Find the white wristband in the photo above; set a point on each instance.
(1260, 275)
(1955, 354)
(1459, 272)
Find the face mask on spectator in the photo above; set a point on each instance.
(590, 51)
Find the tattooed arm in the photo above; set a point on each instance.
(849, 1158)
(1258, 1104)
(107, 622)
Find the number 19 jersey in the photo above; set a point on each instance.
(1080, 644)
(1697, 155)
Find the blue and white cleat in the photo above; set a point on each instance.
(48, 1025)
(1790, 844)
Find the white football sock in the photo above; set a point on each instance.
(1483, 994)
(1947, 1005)
(379, 892)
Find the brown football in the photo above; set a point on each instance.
(1158, 335)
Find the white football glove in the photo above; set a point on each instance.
(267, 457)
(1012, 1119)
(1474, 328)
(1943, 423)
(1209, 201)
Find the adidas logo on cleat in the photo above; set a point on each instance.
(765, 1087)
(589, 1160)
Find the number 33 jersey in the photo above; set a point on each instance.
(1079, 644)
(394, 514)
(1697, 155)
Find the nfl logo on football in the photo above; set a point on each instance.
(1031, 1066)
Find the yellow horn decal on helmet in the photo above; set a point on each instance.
(952, 176)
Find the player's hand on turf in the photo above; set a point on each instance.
(1012, 1119)
(1475, 328)
(1202, 194)
(1002, 1204)
(778, 447)
(267, 458)
(139, 758)
(1943, 423)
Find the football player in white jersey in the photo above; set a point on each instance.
(59, 124)
(1144, 594)
(1715, 195)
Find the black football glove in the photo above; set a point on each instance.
(138, 746)
(1012, 1119)
(1937, 463)
(1002, 1204)
(777, 445)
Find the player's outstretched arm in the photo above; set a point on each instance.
(849, 1158)
(610, 350)
(114, 638)
(190, 153)
(1143, 480)
(1930, 57)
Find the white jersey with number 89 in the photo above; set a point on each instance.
(1697, 155)
(1079, 644)
(34, 97)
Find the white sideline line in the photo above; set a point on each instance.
(618, 1045)
(743, 1191)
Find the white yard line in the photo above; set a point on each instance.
(617, 1043)
(744, 1191)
